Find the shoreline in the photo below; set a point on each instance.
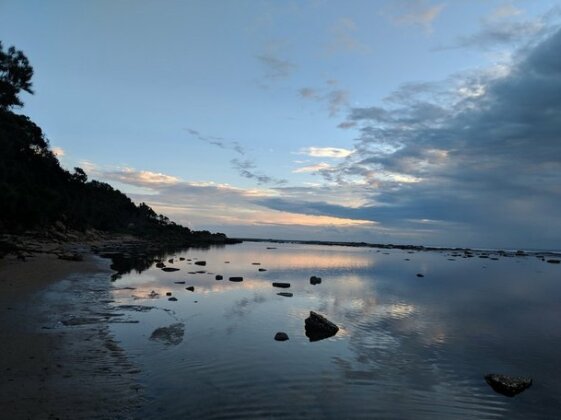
(58, 358)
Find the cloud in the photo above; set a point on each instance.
(312, 168)
(417, 13)
(246, 169)
(334, 99)
(343, 38)
(485, 165)
(275, 67)
(140, 178)
(58, 152)
(218, 141)
(330, 152)
(501, 28)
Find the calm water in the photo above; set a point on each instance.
(408, 347)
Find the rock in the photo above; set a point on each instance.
(179, 282)
(226, 262)
(168, 293)
(170, 269)
(181, 258)
(70, 256)
(271, 247)
(200, 262)
(153, 295)
(281, 336)
(190, 288)
(170, 261)
(218, 277)
(236, 279)
(172, 299)
(553, 261)
(283, 285)
(262, 269)
(508, 385)
(315, 280)
(420, 275)
(171, 335)
(256, 263)
(285, 294)
(318, 327)
(160, 265)
(200, 272)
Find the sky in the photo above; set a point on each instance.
(406, 121)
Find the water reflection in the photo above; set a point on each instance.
(407, 347)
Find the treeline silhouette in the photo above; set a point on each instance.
(37, 193)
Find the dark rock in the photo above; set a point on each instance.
(200, 272)
(170, 261)
(172, 299)
(262, 269)
(169, 335)
(153, 294)
(160, 265)
(553, 261)
(282, 285)
(190, 288)
(318, 327)
(315, 280)
(218, 277)
(181, 259)
(256, 263)
(281, 336)
(71, 256)
(236, 279)
(168, 293)
(271, 247)
(200, 262)
(508, 385)
(170, 269)
(226, 262)
(285, 294)
(179, 282)
(420, 275)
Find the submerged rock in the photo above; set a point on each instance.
(318, 327)
(256, 263)
(170, 269)
(171, 335)
(420, 275)
(172, 299)
(282, 285)
(315, 280)
(281, 336)
(508, 385)
(237, 279)
(179, 282)
(553, 261)
(285, 294)
(200, 262)
(262, 269)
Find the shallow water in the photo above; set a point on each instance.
(407, 347)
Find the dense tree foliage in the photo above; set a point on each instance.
(15, 76)
(36, 192)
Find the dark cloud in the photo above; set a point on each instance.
(489, 163)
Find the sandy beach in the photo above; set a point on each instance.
(58, 359)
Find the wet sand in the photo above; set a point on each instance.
(57, 357)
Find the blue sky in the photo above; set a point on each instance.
(426, 122)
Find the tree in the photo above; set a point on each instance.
(15, 76)
(79, 175)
